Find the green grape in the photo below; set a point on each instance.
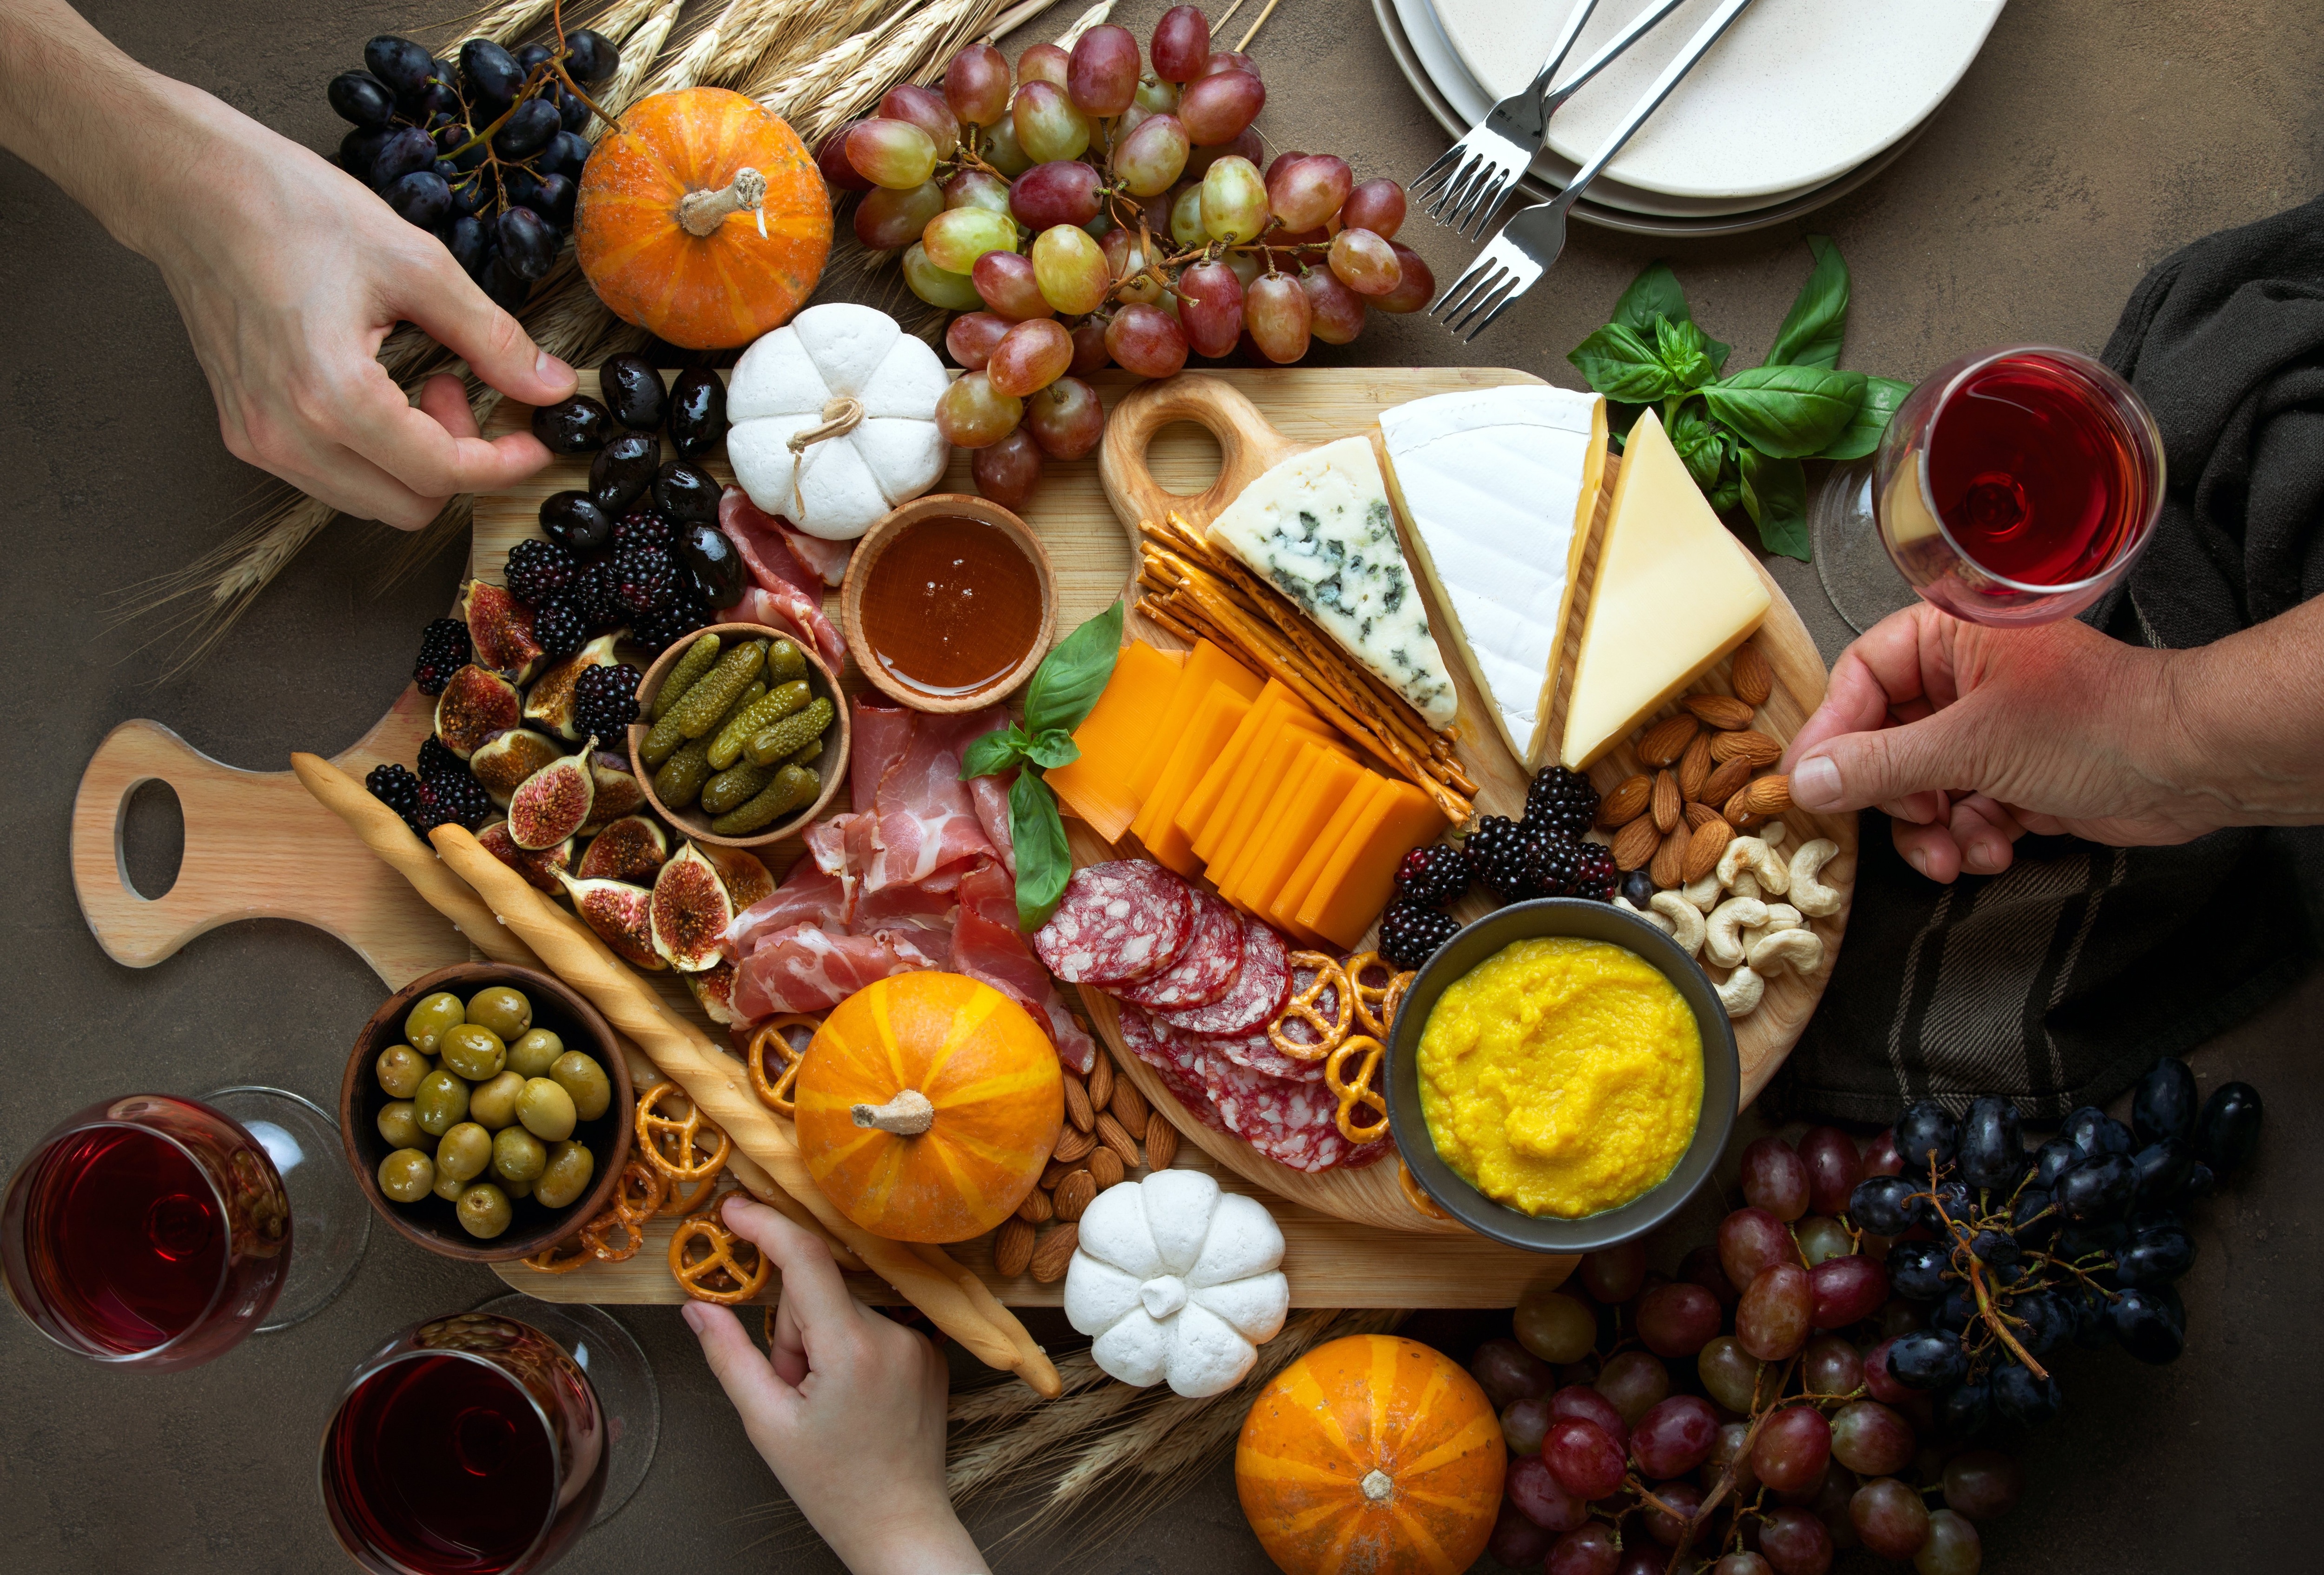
(1151, 158)
(1234, 199)
(1246, 268)
(1186, 217)
(1048, 125)
(894, 153)
(1070, 268)
(972, 413)
(1555, 1326)
(975, 188)
(1157, 98)
(1001, 152)
(956, 239)
(938, 286)
(886, 219)
(1365, 264)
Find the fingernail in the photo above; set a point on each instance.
(550, 368)
(1983, 857)
(1815, 783)
(1919, 859)
(693, 1316)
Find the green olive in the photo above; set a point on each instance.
(504, 1009)
(465, 1151)
(425, 1023)
(491, 1104)
(546, 1110)
(518, 1155)
(533, 1055)
(474, 1051)
(486, 1210)
(566, 1174)
(441, 1103)
(580, 1076)
(399, 1067)
(400, 1127)
(514, 1189)
(448, 1187)
(407, 1175)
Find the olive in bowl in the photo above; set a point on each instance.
(517, 1122)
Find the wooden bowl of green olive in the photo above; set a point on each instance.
(486, 1111)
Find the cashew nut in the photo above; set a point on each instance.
(1797, 949)
(1808, 894)
(1704, 893)
(1780, 916)
(1741, 991)
(1744, 884)
(1723, 938)
(1657, 920)
(1682, 918)
(1772, 832)
(1752, 855)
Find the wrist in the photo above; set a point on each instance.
(930, 1541)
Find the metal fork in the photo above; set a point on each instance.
(1514, 260)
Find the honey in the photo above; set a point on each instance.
(951, 605)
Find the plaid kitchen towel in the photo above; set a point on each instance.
(2059, 981)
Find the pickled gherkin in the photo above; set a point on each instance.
(784, 661)
(792, 787)
(661, 741)
(679, 781)
(763, 713)
(792, 734)
(735, 785)
(699, 709)
(691, 666)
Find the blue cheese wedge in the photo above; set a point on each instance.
(1499, 486)
(1319, 529)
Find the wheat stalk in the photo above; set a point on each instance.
(1084, 23)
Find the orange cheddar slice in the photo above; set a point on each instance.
(1285, 909)
(1113, 739)
(1206, 732)
(1205, 665)
(1320, 777)
(1265, 782)
(1223, 774)
(1353, 886)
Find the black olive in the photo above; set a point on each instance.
(624, 468)
(573, 522)
(2228, 1131)
(716, 569)
(633, 391)
(578, 425)
(361, 97)
(687, 493)
(528, 129)
(697, 411)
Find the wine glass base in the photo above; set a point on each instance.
(618, 1371)
(330, 1221)
(1858, 578)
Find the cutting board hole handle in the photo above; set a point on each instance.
(149, 839)
(1185, 459)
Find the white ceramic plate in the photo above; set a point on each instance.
(1797, 92)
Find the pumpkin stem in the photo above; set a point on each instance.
(699, 213)
(1377, 1486)
(908, 1114)
(841, 416)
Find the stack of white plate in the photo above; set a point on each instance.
(1801, 102)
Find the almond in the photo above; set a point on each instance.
(1739, 813)
(1701, 856)
(1767, 795)
(1725, 778)
(1718, 711)
(1695, 765)
(1754, 749)
(1754, 678)
(1667, 740)
(1700, 815)
(1161, 1142)
(1012, 1249)
(1625, 803)
(1670, 858)
(1037, 1209)
(1056, 1253)
(1129, 1106)
(1077, 1103)
(1105, 1168)
(1073, 1144)
(1100, 1081)
(1075, 1193)
(1057, 1171)
(1635, 844)
(1666, 801)
(1116, 1136)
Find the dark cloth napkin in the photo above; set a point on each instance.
(2059, 981)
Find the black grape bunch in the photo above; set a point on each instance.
(487, 156)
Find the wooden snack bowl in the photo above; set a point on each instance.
(831, 766)
(875, 545)
(431, 1222)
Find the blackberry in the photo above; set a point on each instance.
(1595, 876)
(592, 597)
(1500, 855)
(443, 650)
(644, 527)
(436, 760)
(399, 790)
(536, 570)
(1556, 862)
(1561, 801)
(559, 627)
(458, 799)
(646, 579)
(1435, 877)
(605, 702)
(1410, 934)
(659, 631)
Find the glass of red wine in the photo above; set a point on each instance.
(2014, 486)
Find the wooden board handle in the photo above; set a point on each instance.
(1248, 446)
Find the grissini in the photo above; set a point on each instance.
(383, 830)
(720, 1089)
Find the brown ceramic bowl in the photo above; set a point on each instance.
(431, 1222)
(832, 766)
(881, 536)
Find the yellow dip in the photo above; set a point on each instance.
(1561, 1076)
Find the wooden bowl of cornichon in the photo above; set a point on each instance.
(751, 743)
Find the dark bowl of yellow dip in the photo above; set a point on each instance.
(1561, 1076)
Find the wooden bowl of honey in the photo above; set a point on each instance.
(949, 603)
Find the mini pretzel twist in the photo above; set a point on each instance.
(1353, 1092)
(1415, 1196)
(673, 1144)
(562, 1258)
(717, 1275)
(594, 1237)
(639, 1191)
(682, 1202)
(636, 1195)
(775, 1092)
(1376, 1004)
(1302, 1008)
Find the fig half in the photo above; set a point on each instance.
(504, 760)
(745, 878)
(690, 911)
(501, 628)
(476, 704)
(714, 992)
(633, 848)
(552, 803)
(541, 867)
(619, 792)
(620, 915)
(549, 700)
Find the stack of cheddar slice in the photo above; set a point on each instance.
(1221, 773)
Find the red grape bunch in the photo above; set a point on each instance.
(1079, 213)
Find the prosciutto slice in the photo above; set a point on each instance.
(808, 969)
(784, 593)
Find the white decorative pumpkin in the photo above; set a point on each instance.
(798, 377)
(1177, 1281)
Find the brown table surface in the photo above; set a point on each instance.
(2089, 139)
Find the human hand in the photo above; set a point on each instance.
(848, 1409)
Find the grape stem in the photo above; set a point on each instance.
(1993, 1316)
(1726, 1482)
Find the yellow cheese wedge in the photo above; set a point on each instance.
(1352, 808)
(1353, 887)
(1114, 738)
(1206, 732)
(1675, 592)
(1220, 783)
(1206, 664)
(1320, 777)
(1265, 781)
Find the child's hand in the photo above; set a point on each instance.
(850, 1411)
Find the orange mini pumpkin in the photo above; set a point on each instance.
(703, 219)
(928, 1107)
(1372, 1454)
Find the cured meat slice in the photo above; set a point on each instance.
(1294, 1123)
(987, 945)
(1204, 972)
(1260, 985)
(1182, 1075)
(925, 833)
(990, 795)
(1118, 922)
(807, 968)
(1256, 1051)
(783, 592)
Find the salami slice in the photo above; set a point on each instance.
(1256, 1051)
(1204, 972)
(1290, 1123)
(1260, 985)
(1117, 922)
(1155, 1045)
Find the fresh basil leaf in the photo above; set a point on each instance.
(1073, 674)
(1654, 294)
(1052, 748)
(1869, 424)
(1776, 493)
(1717, 350)
(1042, 863)
(1619, 364)
(989, 754)
(1812, 330)
(1698, 446)
(1678, 346)
(1786, 413)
